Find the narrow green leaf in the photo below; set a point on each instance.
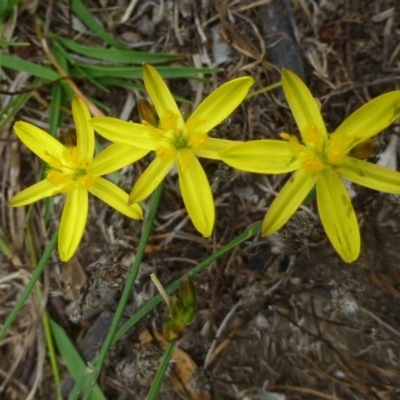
(126, 294)
(5, 247)
(63, 62)
(17, 102)
(152, 303)
(159, 378)
(56, 116)
(13, 44)
(7, 6)
(51, 349)
(65, 56)
(119, 56)
(31, 68)
(28, 290)
(87, 18)
(76, 366)
(111, 81)
(137, 72)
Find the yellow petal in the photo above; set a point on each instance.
(219, 105)
(370, 175)
(73, 221)
(159, 93)
(305, 110)
(337, 215)
(115, 157)
(211, 148)
(84, 131)
(34, 193)
(370, 119)
(40, 142)
(288, 201)
(124, 132)
(196, 192)
(115, 197)
(150, 179)
(261, 156)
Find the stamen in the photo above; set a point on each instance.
(285, 136)
(197, 140)
(313, 164)
(169, 121)
(314, 136)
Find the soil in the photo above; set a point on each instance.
(278, 318)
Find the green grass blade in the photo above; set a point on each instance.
(76, 366)
(25, 294)
(110, 81)
(7, 5)
(52, 353)
(56, 117)
(13, 44)
(56, 114)
(96, 71)
(31, 68)
(32, 251)
(65, 56)
(8, 113)
(117, 56)
(31, 245)
(87, 18)
(248, 233)
(62, 60)
(5, 247)
(148, 226)
(159, 378)
(126, 84)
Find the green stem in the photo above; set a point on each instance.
(159, 378)
(247, 234)
(45, 316)
(98, 363)
(264, 90)
(52, 353)
(25, 294)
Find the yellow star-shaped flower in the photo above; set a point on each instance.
(75, 172)
(321, 160)
(178, 142)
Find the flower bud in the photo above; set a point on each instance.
(188, 293)
(186, 111)
(190, 315)
(173, 330)
(176, 309)
(364, 149)
(147, 112)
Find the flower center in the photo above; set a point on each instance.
(311, 160)
(181, 143)
(176, 137)
(69, 170)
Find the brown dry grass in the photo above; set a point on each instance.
(303, 324)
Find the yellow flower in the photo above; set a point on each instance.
(178, 142)
(75, 172)
(321, 160)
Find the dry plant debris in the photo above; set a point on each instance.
(282, 317)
